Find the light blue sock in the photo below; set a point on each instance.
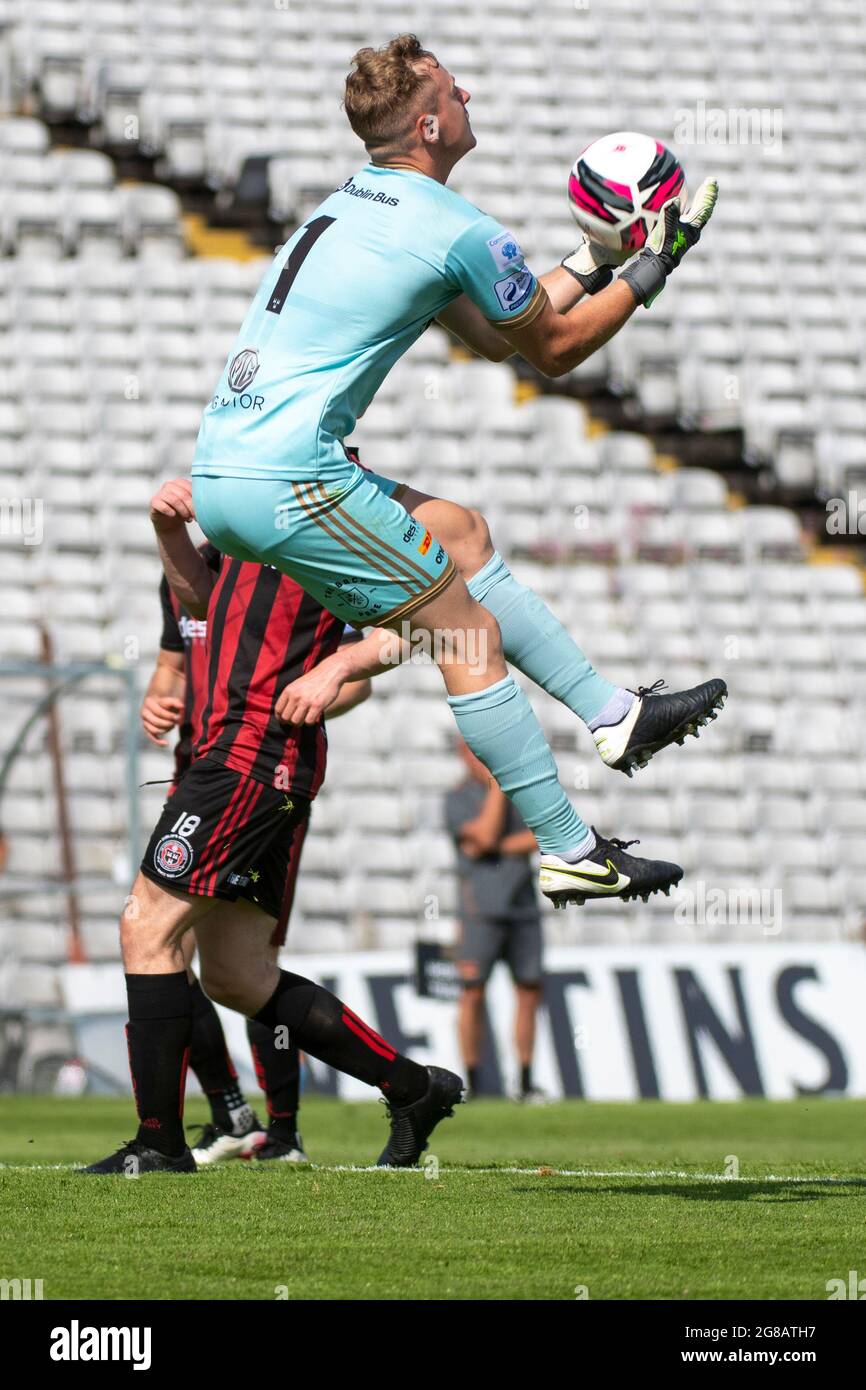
(536, 643)
(501, 729)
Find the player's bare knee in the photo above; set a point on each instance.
(243, 988)
(217, 983)
(152, 924)
(147, 937)
(474, 639)
(229, 991)
(469, 543)
(479, 540)
(487, 625)
(144, 943)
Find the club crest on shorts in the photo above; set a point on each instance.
(346, 588)
(172, 856)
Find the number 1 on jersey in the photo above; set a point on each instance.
(299, 253)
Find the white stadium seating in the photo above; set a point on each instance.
(202, 87)
(112, 336)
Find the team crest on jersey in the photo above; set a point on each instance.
(505, 250)
(243, 368)
(172, 856)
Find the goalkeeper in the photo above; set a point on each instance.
(392, 249)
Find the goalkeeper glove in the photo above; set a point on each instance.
(672, 236)
(591, 265)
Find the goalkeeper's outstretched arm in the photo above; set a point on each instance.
(466, 321)
(556, 342)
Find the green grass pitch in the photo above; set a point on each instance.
(626, 1201)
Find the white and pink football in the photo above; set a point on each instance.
(618, 186)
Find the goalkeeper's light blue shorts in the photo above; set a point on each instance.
(346, 539)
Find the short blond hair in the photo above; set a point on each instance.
(387, 91)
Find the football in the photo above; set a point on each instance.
(618, 186)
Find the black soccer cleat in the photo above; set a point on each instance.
(606, 872)
(412, 1125)
(281, 1151)
(655, 721)
(135, 1158)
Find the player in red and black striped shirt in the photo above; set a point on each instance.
(176, 696)
(218, 862)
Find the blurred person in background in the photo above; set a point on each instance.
(499, 915)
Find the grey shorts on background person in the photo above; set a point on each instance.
(486, 940)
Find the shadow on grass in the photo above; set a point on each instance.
(725, 1190)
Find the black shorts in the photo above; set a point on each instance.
(225, 835)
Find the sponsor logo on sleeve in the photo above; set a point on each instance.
(505, 250)
(514, 291)
(426, 543)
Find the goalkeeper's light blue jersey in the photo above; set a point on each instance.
(343, 300)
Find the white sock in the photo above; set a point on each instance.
(614, 711)
(580, 850)
(242, 1119)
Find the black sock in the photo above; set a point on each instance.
(320, 1024)
(526, 1078)
(213, 1067)
(278, 1072)
(158, 1037)
(473, 1076)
